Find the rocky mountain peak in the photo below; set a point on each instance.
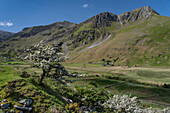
(104, 19)
(146, 9)
(143, 12)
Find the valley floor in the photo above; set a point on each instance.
(145, 83)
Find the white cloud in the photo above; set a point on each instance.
(6, 24)
(85, 5)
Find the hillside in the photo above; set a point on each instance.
(136, 38)
(5, 35)
(33, 35)
(142, 44)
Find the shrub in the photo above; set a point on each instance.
(92, 83)
(103, 60)
(25, 74)
(166, 86)
(73, 108)
(91, 96)
(126, 104)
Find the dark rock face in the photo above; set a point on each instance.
(136, 14)
(104, 20)
(5, 35)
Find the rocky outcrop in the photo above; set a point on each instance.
(104, 20)
(26, 102)
(136, 14)
(23, 108)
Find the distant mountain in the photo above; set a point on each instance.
(5, 35)
(31, 31)
(139, 37)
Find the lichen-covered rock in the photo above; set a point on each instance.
(23, 108)
(26, 102)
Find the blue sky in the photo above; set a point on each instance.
(18, 14)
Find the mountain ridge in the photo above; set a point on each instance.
(36, 29)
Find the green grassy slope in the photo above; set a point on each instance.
(13, 88)
(143, 43)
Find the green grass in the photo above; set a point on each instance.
(128, 29)
(7, 73)
(157, 76)
(81, 64)
(100, 81)
(15, 63)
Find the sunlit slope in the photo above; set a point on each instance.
(142, 43)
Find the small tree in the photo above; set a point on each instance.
(45, 57)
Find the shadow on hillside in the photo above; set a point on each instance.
(47, 89)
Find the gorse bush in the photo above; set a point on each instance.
(91, 96)
(73, 108)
